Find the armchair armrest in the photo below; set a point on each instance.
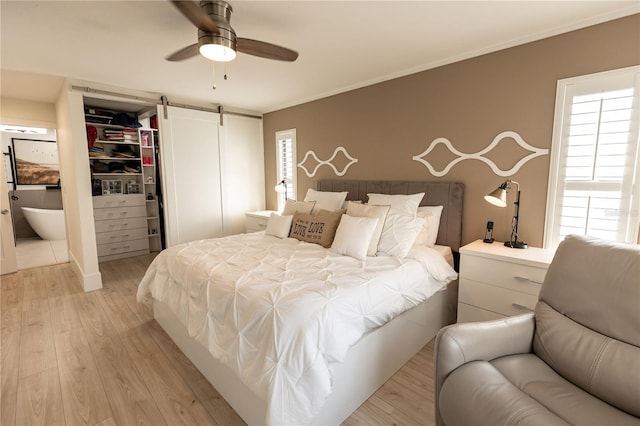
(458, 344)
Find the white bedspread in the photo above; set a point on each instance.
(278, 312)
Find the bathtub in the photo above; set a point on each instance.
(48, 224)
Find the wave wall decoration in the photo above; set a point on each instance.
(310, 153)
(535, 152)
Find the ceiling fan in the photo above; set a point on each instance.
(217, 40)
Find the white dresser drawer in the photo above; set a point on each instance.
(123, 247)
(468, 313)
(122, 200)
(120, 225)
(120, 212)
(514, 276)
(255, 224)
(121, 236)
(257, 221)
(496, 299)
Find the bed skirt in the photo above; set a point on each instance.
(369, 363)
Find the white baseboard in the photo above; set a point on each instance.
(89, 282)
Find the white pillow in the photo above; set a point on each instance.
(278, 226)
(353, 236)
(403, 204)
(293, 206)
(433, 262)
(379, 212)
(399, 234)
(429, 232)
(346, 204)
(325, 200)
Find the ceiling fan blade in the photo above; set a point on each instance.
(265, 50)
(196, 15)
(184, 53)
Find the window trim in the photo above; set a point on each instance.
(283, 135)
(562, 92)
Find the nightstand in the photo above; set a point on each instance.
(257, 221)
(498, 281)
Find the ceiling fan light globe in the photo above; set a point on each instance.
(217, 52)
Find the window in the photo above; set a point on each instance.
(593, 175)
(286, 165)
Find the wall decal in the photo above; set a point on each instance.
(327, 162)
(535, 152)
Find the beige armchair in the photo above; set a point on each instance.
(576, 360)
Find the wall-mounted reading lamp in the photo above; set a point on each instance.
(498, 198)
(281, 188)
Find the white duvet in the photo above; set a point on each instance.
(278, 312)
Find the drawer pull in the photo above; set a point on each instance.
(519, 306)
(525, 279)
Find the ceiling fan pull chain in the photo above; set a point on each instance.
(225, 71)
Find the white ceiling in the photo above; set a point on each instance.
(343, 45)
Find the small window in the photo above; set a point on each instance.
(286, 165)
(593, 176)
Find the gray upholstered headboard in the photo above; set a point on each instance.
(447, 194)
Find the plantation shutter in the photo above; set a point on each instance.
(286, 165)
(597, 165)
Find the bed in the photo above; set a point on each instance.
(355, 368)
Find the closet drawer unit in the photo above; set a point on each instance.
(123, 200)
(123, 247)
(495, 299)
(120, 225)
(514, 276)
(120, 212)
(121, 236)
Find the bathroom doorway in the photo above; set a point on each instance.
(31, 161)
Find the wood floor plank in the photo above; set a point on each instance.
(83, 396)
(10, 331)
(213, 402)
(12, 289)
(128, 395)
(173, 396)
(37, 351)
(97, 326)
(222, 412)
(122, 317)
(40, 400)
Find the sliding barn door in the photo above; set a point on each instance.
(190, 167)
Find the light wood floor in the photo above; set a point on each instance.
(99, 358)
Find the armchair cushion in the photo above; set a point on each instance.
(606, 368)
(478, 394)
(460, 343)
(521, 389)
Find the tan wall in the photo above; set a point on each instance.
(469, 103)
(20, 112)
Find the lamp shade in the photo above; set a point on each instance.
(281, 187)
(498, 197)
